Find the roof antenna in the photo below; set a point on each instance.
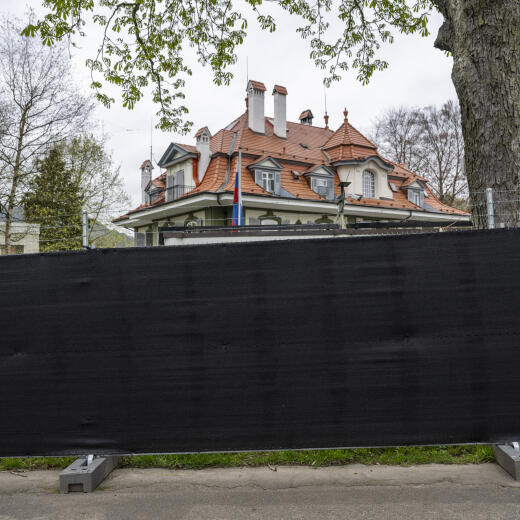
(151, 140)
(326, 116)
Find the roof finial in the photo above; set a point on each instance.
(326, 117)
(345, 114)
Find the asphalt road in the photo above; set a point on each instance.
(353, 492)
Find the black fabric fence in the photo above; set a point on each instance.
(301, 344)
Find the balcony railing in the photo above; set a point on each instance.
(177, 191)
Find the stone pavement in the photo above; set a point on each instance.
(355, 492)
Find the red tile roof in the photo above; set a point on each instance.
(257, 85)
(305, 114)
(280, 90)
(187, 147)
(305, 148)
(200, 130)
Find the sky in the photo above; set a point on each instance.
(418, 75)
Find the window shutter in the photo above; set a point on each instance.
(169, 188)
(258, 178)
(140, 239)
(179, 183)
(277, 183)
(330, 189)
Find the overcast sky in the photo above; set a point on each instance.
(418, 75)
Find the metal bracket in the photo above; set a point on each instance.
(86, 473)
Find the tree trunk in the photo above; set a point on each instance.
(484, 38)
(11, 200)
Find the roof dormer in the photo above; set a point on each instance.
(321, 180)
(306, 117)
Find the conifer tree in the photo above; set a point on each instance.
(54, 201)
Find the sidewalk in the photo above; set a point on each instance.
(477, 492)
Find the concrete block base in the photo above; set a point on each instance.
(508, 458)
(85, 478)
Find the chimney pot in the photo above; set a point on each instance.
(146, 177)
(202, 139)
(255, 105)
(280, 111)
(306, 117)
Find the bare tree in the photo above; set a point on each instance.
(96, 177)
(397, 133)
(429, 142)
(443, 144)
(41, 107)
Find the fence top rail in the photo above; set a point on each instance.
(312, 227)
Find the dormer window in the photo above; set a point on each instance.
(416, 197)
(369, 185)
(323, 187)
(268, 179)
(267, 173)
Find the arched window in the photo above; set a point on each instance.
(369, 185)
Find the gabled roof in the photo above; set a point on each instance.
(306, 114)
(266, 162)
(200, 131)
(315, 170)
(175, 152)
(146, 163)
(257, 85)
(280, 90)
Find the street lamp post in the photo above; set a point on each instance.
(340, 219)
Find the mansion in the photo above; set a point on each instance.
(290, 174)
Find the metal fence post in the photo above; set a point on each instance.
(85, 229)
(490, 208)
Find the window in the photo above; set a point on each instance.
(321, 186)
(369, 185)
(268, 181)
(414, 196)
(15, 250)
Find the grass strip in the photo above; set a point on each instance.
(407, 456)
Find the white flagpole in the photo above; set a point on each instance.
(239, 173)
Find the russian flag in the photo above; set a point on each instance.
(238, 210)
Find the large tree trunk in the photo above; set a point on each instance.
(11, 200)
(484, 38)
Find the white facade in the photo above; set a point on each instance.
(203, 140)
(25, 238)
(353, 173)
(255, 100)
(280, 114)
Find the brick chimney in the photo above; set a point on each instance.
(255, 102)
(146, 177)
(280, 111)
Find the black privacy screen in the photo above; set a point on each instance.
(298, 344)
